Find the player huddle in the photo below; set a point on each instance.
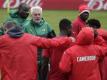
(30, 49)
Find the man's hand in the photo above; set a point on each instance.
(73, 39)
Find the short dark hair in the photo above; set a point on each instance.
(64, 23)
(94, 23)
(24, 6)
(9, 24)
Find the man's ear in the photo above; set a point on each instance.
(95, 33)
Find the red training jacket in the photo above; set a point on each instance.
(81, 60)
(77, 25)
(103, 34)
(18, 56)
(54, 55)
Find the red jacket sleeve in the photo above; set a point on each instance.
(100, 41)
(102, 51)
(50, 43)
(103, 33)
(66, 62)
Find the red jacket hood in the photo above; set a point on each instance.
(85, 36)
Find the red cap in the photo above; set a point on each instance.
(84, 8)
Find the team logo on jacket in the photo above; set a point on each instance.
(86, 58)
(43, 30)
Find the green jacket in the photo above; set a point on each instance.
(41, 29)
(1, 31)
(16, 18)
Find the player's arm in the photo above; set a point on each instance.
(50, 43)
(66, 62)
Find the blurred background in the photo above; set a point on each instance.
(55, 10)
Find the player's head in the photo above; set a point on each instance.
(84, 12)
(23, 10)
(65, 27)
(13, 30)
(36, 13)
(16, 32)
(8, 26)
(94, 23)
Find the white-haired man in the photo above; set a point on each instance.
(39, 27)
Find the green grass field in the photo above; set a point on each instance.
(54, 16)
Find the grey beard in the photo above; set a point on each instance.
(37, 21)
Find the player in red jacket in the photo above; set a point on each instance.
(81, 60)
(80, 22)
(102, 33)
(95, 23)
(53, 55)
(18, 51)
